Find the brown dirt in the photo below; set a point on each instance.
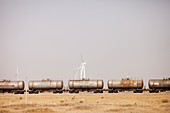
(86, 103)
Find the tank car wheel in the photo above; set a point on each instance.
(16, 92)
(157, 91)
(60, 91)
(135, 91)
(141, 91)
(76, 91)
(95, 91)
(161, 90)
(41, 91)
(110, 91)
(30, 92)
(150, 91)
(54, 91)
(36, 92)
(71, 91)
(101, 91)
(115, 91)
(22, 92)
(138, 91)
(153, 91)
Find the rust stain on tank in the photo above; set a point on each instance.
(125, 83)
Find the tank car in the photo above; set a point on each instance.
(37, 86)
(16, 87)
(95, 86)
(157, 85)
(127, 84)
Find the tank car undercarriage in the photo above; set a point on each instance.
(85, 90)
(12, 91)
(37, 91)
(123, 90)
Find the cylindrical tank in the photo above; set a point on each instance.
(45, 84)
(159, 83)
(11, 85)
(125, 84)
(85, 84)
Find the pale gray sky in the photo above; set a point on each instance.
(45, 38)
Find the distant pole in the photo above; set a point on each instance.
(17, 74)
(26, 94)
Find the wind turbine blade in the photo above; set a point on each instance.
(75, 74)
(82, 59)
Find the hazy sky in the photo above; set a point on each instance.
(45, 38)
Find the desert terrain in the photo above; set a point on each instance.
(85, 103)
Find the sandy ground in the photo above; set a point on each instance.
(86, 103)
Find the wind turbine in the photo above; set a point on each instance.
(82, 69)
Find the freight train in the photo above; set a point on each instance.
(37, 86)
(16, 87)
(115, 86)
(76, 86)
(86, 85)
(157, 85)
